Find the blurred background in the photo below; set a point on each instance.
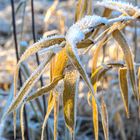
(55, 18)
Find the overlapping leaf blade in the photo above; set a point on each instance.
(119, 37)
(28, 85)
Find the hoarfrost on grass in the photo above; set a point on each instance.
(91, 22)
(54, 48)
(76, 32)
(118, 5)
(49, 38)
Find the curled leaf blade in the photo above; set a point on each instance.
(119, 37)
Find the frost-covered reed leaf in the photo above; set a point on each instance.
(45, 89)
(43, 43)
(80, 9)
(104, 116)
(124, 7)
(74, 58)
(22, 120)
(119, 37)
(95, 118)
(98, 73)
(56, 111)
(106, 14)
(29, 84)
(60, 63)
(69, 97)
(96, 55)
(49, 109)
(124, 88)
(48, 42)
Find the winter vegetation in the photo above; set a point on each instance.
(81, 80)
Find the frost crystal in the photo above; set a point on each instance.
(76, 32)
(55, 49)
(49, 38)
(119, 6)
(91, 22)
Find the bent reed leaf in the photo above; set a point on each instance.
(124, 88)
(99, 72)
(43, 43)
(45, 89)
(74, 58)
(119, 37)
(28, 85)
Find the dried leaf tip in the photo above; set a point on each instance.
(119, 6)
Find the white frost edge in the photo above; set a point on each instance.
(118, 5)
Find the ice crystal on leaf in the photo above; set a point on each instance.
(91, 22)
(76, 32)
(119, 6)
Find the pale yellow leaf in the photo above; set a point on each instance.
(119, 37)
(41, 91)
(49, 109)
(95, 118)
(98, 73)
(56, 111)
(124, 88)
(69, 97)
(22, 121)
(104, 116)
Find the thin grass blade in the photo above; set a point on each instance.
(104, 116)
(28, 85)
